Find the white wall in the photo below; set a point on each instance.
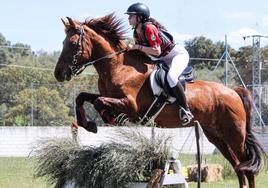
(19, 141)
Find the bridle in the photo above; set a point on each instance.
(77, 69)
(79, 46)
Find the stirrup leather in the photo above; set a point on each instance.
(185, 116)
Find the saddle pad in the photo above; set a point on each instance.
(157, 90)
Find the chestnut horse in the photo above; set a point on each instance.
(124, 87)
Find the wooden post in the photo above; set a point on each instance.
(198, 155)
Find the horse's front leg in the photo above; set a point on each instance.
(108, 108)
(82, 121)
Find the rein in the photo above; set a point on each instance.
(77, 69)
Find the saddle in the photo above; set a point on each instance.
(161, 89)
(160, 77)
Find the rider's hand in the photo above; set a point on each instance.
(133, 47)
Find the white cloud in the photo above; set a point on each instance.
(236, 38)
(180, 38)
(85, 15)
(239, 15)
(264, 21)
(244, 32)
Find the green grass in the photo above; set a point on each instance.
(230, 180)
(260, 182)
(18, 173)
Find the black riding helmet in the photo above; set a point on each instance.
(139, 9)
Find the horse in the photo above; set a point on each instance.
(124, 87)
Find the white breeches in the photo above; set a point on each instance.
(177, 59)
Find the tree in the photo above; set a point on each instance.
(244, 58)
(16, 79)
(20, 50)
(264, 55)
(3, 51)
(47, 59)
(11, 53)
(42, 106)
(203, 48)
(2, 40)
(26, 72)
(244, 63)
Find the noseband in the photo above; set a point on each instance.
(77, 69)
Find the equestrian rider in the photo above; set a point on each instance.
(147, 39)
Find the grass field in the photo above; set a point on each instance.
(230, 180)
(18, 173)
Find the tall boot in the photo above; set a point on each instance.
(184, 113)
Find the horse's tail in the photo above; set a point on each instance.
(254, 149)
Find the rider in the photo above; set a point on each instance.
(147, 39)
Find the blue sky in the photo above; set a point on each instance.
(38, 24)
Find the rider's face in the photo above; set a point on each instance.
(132, 19)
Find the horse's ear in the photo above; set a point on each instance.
(71, 22)
(64, 22)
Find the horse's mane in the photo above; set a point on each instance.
(109, 27)
(112, 29)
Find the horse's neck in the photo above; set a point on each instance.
(127, 61)
(108, 68)
(101, 48)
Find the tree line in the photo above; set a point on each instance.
(30, 95)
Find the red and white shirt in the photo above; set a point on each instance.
(151, 36)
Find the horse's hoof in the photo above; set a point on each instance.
(91, 127)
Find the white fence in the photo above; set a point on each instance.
(19, 141)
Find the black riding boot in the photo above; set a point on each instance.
(185, 114)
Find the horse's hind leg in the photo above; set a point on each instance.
(80, 111)
(229, 155)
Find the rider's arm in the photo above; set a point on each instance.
(150, 50)
(154, 41)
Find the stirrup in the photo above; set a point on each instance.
(185, 116)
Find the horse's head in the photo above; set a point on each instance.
(74, 52)
(95, 39)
